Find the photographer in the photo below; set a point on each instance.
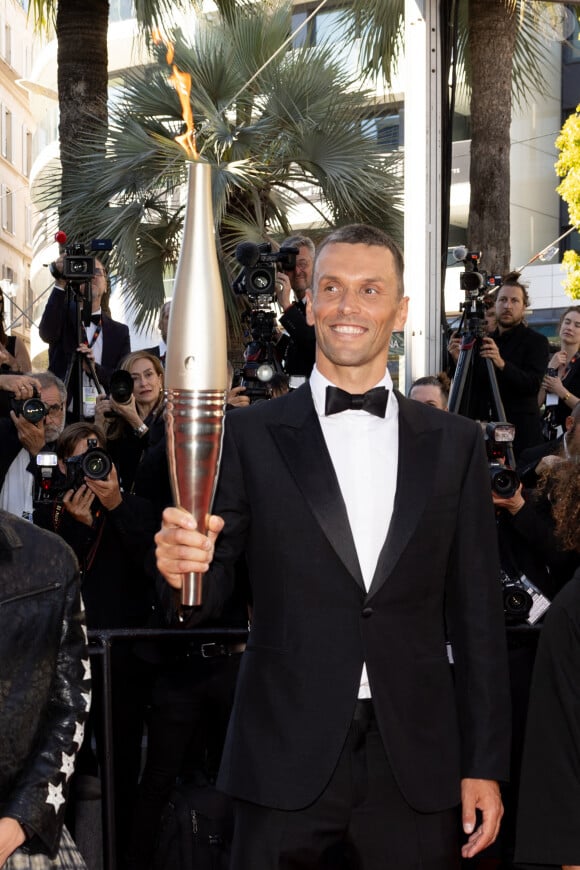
(104, 341)
(132, 414)
(520, 357)
(529, 553)
(561, 385)
(298, 345)
(22, 439)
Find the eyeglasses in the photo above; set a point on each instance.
(54, 409)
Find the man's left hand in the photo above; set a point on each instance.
(482, 795)
(490, 350)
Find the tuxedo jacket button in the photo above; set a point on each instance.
(367, 611)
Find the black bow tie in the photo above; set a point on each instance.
(374, 401)
(96, 319)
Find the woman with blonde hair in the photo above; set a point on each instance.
(134, 421)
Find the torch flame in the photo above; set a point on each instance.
(181, 81)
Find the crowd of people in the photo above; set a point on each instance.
(355, 532)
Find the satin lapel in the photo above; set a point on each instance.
(301, 443)
(419, 447)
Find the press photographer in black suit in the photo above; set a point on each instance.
(298, 345)
(105, 342)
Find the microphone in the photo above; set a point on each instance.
(247, 253)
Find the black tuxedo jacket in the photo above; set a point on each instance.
(313, 623)
(58, 328)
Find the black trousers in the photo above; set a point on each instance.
(361, 820)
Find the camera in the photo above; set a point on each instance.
(261, 362)
(121, 387)
(80, 266)
(504, 480)
(522, 601)
(474, 281)
(33, 410)
(257, 280)
(94, 463)
(552, 373)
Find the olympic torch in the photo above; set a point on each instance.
(196, 366)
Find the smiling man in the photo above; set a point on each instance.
(374, 549)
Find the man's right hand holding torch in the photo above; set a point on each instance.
(181, 549)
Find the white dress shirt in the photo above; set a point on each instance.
(364, 450)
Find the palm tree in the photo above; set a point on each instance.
(278, 133)
(498, 43)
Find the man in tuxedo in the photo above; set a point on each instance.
(369, 536)
(104, 342)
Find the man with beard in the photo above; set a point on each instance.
(520, 357)
(21, 441)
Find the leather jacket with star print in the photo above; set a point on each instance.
(44, 679)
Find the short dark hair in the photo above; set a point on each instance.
(441, 381)
(75, 432)
(364, 234)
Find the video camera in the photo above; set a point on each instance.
(33, 410)
(498, 437)
(257, 280)
(78, 264)
(474, 281)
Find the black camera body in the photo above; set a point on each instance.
(522, 601)
(94, 463)
(260, 359)
(475, 281)
(504, 480)
(257, 279)
(78, 264)
(552, 373)
(33, 410)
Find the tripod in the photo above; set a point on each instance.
(461, 397)
(79, 361)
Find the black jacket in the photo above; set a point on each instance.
(58, 328)
(313, 622)
(526, 353)
(44, 678)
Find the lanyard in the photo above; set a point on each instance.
(96, 334)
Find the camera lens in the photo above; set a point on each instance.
(34, 410)
(121, 387)
(96, 464)
(517, 602)
(504, 481)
